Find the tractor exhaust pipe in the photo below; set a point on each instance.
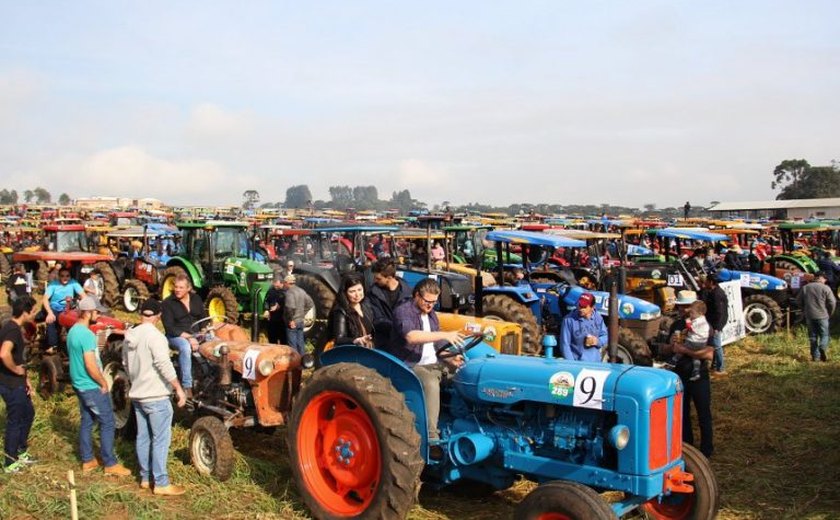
(470, 448)
(612, 328)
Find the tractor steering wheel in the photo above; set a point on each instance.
(199, 326)
(450, 350)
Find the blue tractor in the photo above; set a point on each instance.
(551, 300)
(359, 448)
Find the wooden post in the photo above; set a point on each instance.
(74, 509)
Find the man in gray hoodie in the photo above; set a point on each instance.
(817, 302)
(152, 377)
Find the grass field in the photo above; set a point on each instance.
(777, 455)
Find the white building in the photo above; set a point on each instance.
(780, 209)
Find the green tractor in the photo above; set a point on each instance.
(225, 270)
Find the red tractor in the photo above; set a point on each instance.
(67, 244)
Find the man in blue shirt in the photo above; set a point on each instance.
(55, 302)
(583, 332)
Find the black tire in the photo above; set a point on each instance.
(211, 448)
(111, 292)
(40, 277)
(702, 504)
(367, 407)
(315, 327)
(168, 278)
(5, 267)
(762, 314)
(566, 499)
(633, 345)
(221, 297)
(50, 376)
(118, 386)
(508, 309)
(134, 294)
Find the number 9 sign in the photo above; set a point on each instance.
(589, 388)
(249, 364)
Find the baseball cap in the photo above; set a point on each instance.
(90, 303)
(586, 300)
(150, 307)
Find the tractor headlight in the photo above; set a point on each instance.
(619, 436)
(266, 366)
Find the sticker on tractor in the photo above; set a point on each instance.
(561, 384)
(229, 269)
(249, 364)
(589, 388)
(745, 279)
(627, 309)
(656, 274)
(490, 333)
(675, 280)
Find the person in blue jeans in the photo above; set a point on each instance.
(180, 310)
(92, 391)
(146, 360)
(817, 302)
(296, 304)
(15, 387)
(717, 314)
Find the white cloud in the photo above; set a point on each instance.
(213, 121)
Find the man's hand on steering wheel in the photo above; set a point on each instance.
(452, 349)
(209, 324)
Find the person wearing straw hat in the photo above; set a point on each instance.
(697, 391)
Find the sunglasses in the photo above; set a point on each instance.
(428, 302)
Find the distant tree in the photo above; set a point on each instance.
(402, 200)
(365, 197)
(650, 208)
(64, 199)
(298, 197)
(28, 195)
(797, 179)
(341, 197)
(42, 196)
(8, 197)
(250, 199)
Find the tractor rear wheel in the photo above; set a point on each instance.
(40, 277)
(167, 281)
(5, 267)
(134, 294)
(353, 445)
(762, 315)
(507, 309)
(315, 322)
(221, 302)
(50, 376)
(632, 349)
(111, 292)
(211, 448)
(561, 499)
(702, 504)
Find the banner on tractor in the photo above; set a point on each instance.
(735, 328)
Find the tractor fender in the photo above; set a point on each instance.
(757, 281)
(190, 268)
(394, 370)
(522, 294)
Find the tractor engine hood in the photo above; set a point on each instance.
(750, 280)
(629, 307)
(252, 359)
(505, 379)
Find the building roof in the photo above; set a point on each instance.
(776, 204)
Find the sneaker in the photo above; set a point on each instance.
(694, 376)
(89, 466)
(170, 491)
(15, 467)
(118, 470)
(26, 458)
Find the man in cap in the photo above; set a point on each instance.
(583, 332)
(151, 373)
(92, 391)
(296, 305)
(817, 303)
(697, 390)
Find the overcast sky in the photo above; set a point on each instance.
(497, 102)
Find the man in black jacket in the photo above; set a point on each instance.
(387, 292)
(180, 310)
(717, 314)
(275, 300)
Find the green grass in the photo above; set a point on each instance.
(777, 456)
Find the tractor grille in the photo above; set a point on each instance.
(665, 431)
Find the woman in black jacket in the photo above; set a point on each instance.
(351, 320)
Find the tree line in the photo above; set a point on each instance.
(38, 195)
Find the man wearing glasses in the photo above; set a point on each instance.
(414, 337)
(55, 302)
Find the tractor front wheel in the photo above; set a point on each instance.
(353, 445)
(563, 500)
(701, 504)
(221, 303)
(762, 315)
(507, 309)
(5, 266)
(211, 448)
(134, 294)
(118, 385)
